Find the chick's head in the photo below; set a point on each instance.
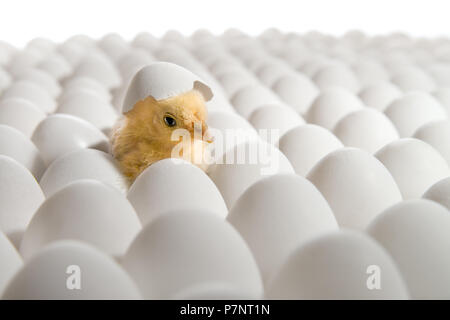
(153, 128)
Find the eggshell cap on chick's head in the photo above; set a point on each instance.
(163, 80)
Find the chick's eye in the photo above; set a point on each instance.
(170, 121)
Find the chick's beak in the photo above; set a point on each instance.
(201, 130)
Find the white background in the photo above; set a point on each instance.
(22, 20)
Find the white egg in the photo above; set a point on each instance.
(247, 99)
(90, 107)
(223, 65)
(245, 164)
(20, 197)
(84, 83)
(440, 192)
(43, 79)
(146, 41)
(114, 46)
(275, 119)
(218, 103)
(72, 52)
(414, 164)
(272, 72)
(436, 134)
(305, 145)
(413, 79)
(339, 265)
(212, 291)
(23, 60)
(380, 95)
(171, 185)
(182, 249)
(71, 270)
(287, 210)
(228, 130)
(100, 68)
(332, 105)
(233, 81)
(85, 210)
(33, 92)
(297, 91)
(56, 65)
(367, 129)
(356, 185)
(415, 233)
(370, 72)
(133, 61)
(5, 80)
(59, 134)
(336, 76)
(16, 145)
(443, 96)
(413, 110)
(11, 262)
(20, 114)
(82, 164)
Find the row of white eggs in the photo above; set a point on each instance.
(278, 224)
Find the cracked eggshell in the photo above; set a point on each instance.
(20, 114)
(46, 275)
(185, 248)
(367, 129)
(436, 134)
(297, 91)
(305, 145)
(85, 210)
(274, 120)
(332, 105)
(11, 261)
(288, 210)
(59, 134)
(336, 266)
(90, 107)
(83, 164)
(245, 164)
(415, 233)
(439, 192)
(413, 110)
(20, 197)
(414, 164)
(33, 92)
(380, 95)
(16, 145)
(171, 185)
(162, 80)
(356, 185)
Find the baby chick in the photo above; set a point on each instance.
(161, 98)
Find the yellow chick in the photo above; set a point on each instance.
(144, 134)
